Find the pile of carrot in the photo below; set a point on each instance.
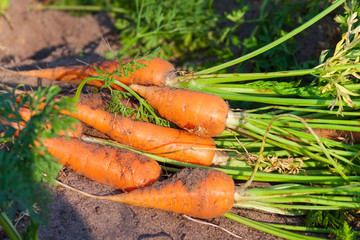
(198, 193)
(198, 117)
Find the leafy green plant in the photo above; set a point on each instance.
(25, 165)
(345, 53)
(274, 21)
(184, 30)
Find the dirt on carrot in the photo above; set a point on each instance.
(167, 142)
(189, 177)
(120, 168)
(155, 72)
(202, 193)
(204, 114)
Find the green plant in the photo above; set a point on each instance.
(25, 166)
(274, 21)
(144, 112)
(184, 30)
(3, 6)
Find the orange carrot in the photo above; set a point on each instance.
(205, 193)
(156, 73)
(194, 111)
(122, 169)
(167, 142)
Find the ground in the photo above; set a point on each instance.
(51, 38)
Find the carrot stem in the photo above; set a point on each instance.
(268, 228)
(238, 174)
(8, 227)
(262, 99)
(303, 110)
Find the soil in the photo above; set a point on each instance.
(51, 38)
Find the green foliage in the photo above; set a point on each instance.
(4, 4)
(344, 233)
(354, 7)
(276, 18)
(335, 221)
(144, 111)
(31, 231)
(184, 30)
(25, 164)
(346, 53)
(328, 219)
(192, 35)
(296, 88)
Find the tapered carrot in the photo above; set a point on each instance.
(205, 193)
(156, 72)
(120, 168)
(167, 142)
(194, 111)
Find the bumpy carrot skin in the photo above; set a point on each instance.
(156, 72)
(167, 142)
(198, 193)
(194, 111)
(122, 169)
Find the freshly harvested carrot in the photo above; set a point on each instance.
(167, 142)
(205, 193)
(156, 73)
(194, 111)
(120, 168)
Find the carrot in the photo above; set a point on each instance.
(194, 111)
(205, 193)
(120, 168)
(156, 73)
(166, 142)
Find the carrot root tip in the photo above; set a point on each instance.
(233, 118)
(171, 79)
(220, 157)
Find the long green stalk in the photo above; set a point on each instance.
(257, 193)
(309, 109)
(286, 101)
(300, 228)
(238, 174)
(338, 121)
(268, 228)
(324, 200)
(276, 42)
(8, 227)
